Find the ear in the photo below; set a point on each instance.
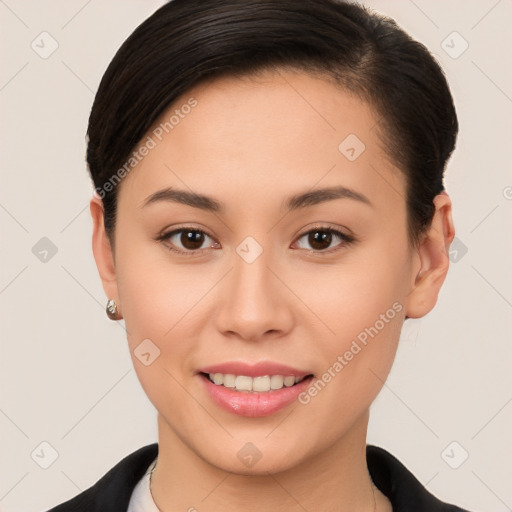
(103, 252)
(432, 255)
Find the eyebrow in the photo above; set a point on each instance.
(210, 204)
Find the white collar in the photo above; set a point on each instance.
(141, 499)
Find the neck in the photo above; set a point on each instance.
(336, 480)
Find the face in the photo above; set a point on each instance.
(251, 280)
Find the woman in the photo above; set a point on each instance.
(269, 209)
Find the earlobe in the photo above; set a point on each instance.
(434, 260)
(102, 250)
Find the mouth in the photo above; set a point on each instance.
(264, 392)
(256, 384)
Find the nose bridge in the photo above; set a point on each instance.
(253, 303)
(251, 272)
(251, 277)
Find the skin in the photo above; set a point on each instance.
(251, 143)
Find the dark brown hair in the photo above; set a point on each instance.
(185, 42)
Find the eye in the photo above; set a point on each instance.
(321, 237)
(191, 240)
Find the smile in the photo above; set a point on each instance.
(258, 384)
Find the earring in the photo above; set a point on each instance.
(111, 309)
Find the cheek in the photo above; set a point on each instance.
(365, 318)
(353, 363)
(158, 306)
(362, 308)
(154, 293)
(351, 296)
(164, 303)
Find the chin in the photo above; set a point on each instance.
(256, 455)
(269, 462)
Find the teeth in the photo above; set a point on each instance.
(261, 383)
(258, 384)
(218, 378)
(243, 383)
(227, 380)
(289, 381)
(276, 381)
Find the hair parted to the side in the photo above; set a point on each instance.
(186, 42)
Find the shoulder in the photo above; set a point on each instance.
(402, 488)
(113, 490)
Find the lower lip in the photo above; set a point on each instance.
(246, 403)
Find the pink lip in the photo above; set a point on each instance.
(254, 370)
(245, 403)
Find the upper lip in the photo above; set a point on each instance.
(254, 369)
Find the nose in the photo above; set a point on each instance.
(254, 301)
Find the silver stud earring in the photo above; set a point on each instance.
(111, 309)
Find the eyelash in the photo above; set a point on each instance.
(346, 240)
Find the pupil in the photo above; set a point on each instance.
(193, 238)
(324, 237)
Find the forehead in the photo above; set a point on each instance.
(265, 135)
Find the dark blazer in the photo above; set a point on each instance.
(112, 492)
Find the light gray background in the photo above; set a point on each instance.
(66, 375)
